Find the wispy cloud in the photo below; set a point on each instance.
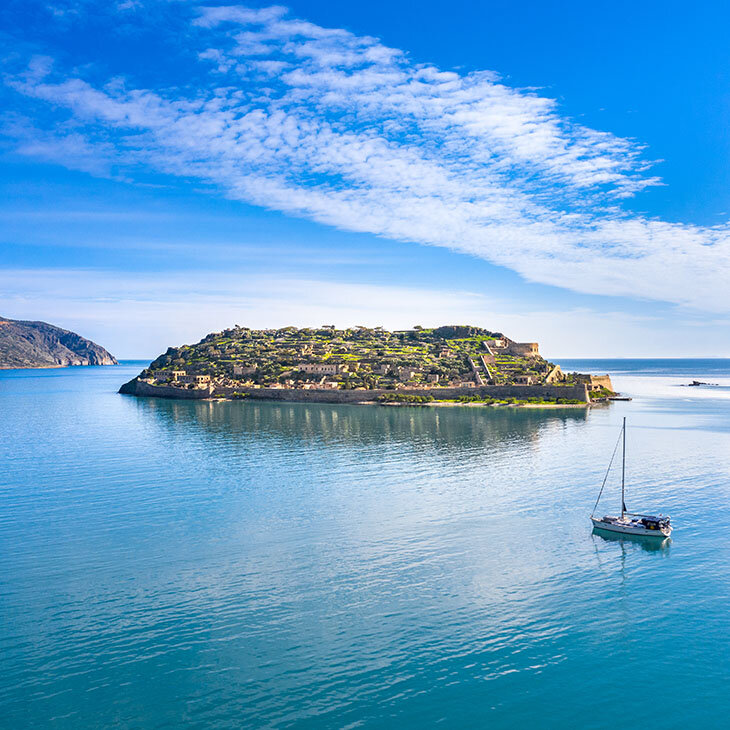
(174, 309)
(339, 128)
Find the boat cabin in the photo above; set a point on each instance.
(654, 523)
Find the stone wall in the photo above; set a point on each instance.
(523, 349)
(555, 375)
(595, 381)
(603, 381)
(139, 387)
(572, 392)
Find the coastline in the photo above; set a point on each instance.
(544, 395)
(55, 367)
(432, 404)
(452, 404)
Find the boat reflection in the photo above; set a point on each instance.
(648, 543)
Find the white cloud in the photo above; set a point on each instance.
(182, 307)
(212, 16)
(341, 129)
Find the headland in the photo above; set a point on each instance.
(42, 345)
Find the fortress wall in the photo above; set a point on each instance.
(573, 392)
(595, 381)
(555, 375)
(602, 380)
(139, 387)
(523, 349)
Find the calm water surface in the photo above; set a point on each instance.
(221, 565)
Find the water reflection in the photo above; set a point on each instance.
(278, 565)
(647, 543)
(452, 428)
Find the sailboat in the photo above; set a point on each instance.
(629, 523)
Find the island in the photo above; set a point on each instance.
(42, 345)
(443, 365)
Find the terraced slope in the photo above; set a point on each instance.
(357, 357)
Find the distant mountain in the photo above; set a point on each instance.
(38, 344)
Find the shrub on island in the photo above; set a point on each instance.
(404, 398)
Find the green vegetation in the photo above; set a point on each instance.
(404, 398)
(486, 400)
(354, 358)
(601, 393)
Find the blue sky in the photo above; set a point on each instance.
(557, 171)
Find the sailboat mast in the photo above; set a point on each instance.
(623, 473)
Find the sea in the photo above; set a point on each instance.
(170, 564)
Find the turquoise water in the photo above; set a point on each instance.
(224, 565)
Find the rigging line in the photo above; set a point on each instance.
(610, 464)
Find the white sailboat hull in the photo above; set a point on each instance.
(629, 528)
(629, 523)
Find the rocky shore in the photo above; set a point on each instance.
(577, 392)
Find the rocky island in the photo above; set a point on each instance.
(42, 345)
(454, 363)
